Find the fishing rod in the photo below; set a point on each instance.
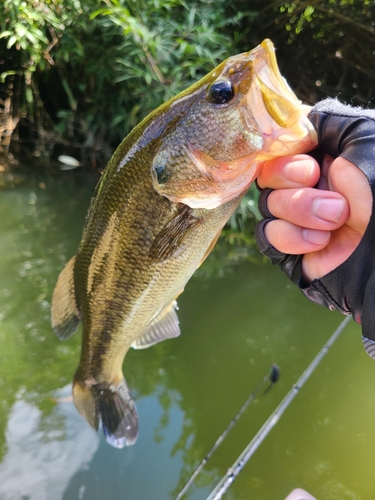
(250, 449)
(272, 377)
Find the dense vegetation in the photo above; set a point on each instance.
(325, 47)
(76, 76)
(80, 74)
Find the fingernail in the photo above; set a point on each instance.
(299, 171)
(328, 209)
(315, 236)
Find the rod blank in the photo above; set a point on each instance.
(272, 377)
(254, 444)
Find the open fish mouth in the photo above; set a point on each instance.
(276, 109)
(267, 70)
(244, 113)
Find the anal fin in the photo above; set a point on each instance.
(64, 312)
(165, 326)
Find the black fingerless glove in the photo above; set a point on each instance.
(350, 288)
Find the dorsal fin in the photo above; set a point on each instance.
(165, 326)
(64, 312)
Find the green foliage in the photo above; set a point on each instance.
(22, 24)
(29, 32)
(325, 47)
(79, 75)
(166, 47)
(99, 67)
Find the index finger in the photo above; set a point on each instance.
(293, 171)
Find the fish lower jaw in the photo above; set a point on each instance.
(289, 144)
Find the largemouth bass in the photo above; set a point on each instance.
(157, 212)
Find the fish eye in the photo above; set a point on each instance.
(221, 92)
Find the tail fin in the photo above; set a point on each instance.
(113, 405)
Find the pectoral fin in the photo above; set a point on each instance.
(65, 316)
(165, 326)
(171, 236)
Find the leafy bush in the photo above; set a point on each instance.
(325, 47)
(76, 76)
(87, 72)
(29, 33)
(166, 47)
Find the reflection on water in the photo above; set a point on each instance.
(36, 456)
(187, 390)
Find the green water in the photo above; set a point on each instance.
(187, 390)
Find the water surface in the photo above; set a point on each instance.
(187, 390)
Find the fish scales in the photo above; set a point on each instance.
(157, 212)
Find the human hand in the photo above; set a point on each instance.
(325, 223)
(327, 251)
